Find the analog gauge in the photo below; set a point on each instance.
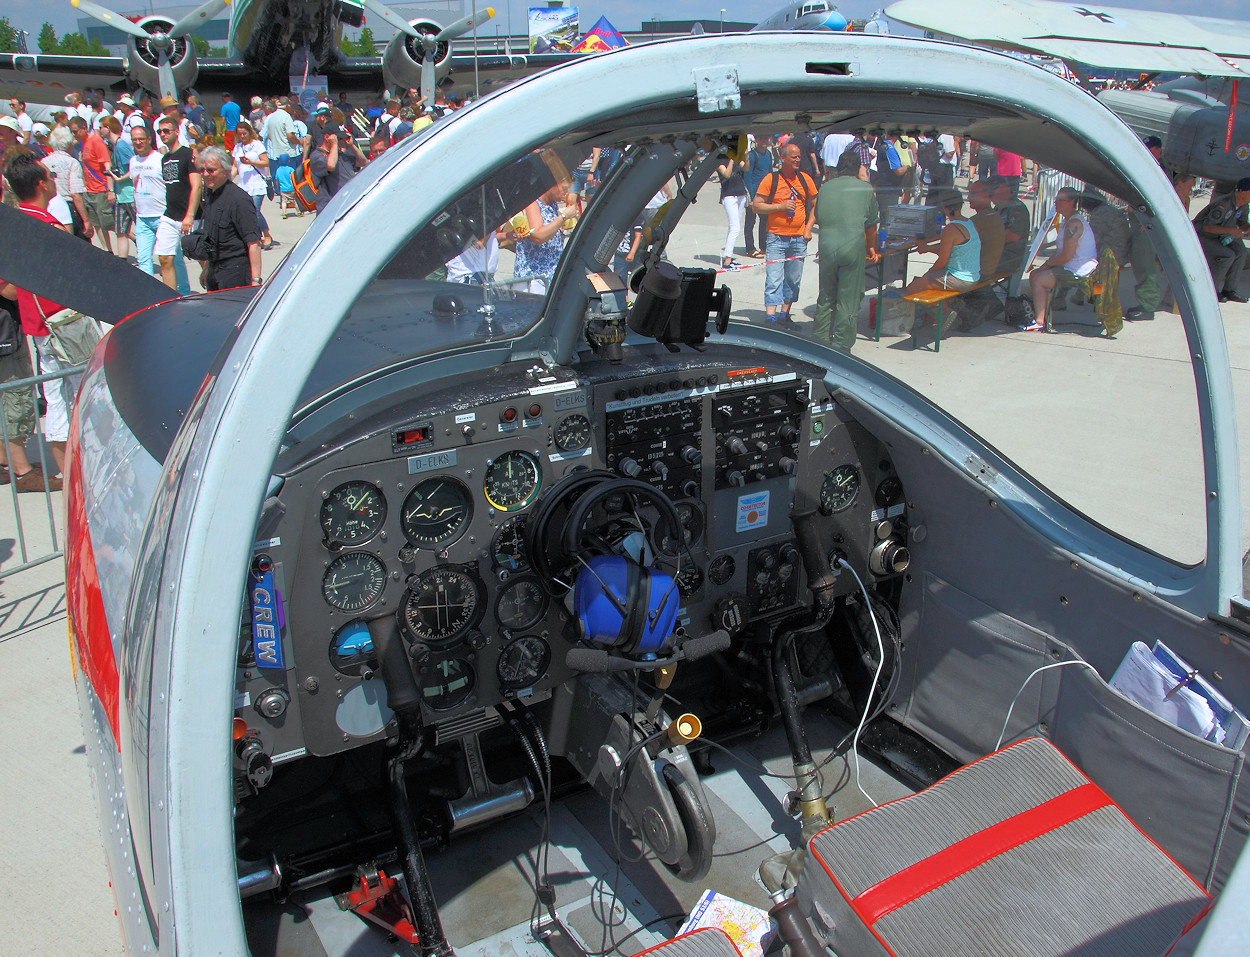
(447, 683)
(839, 489)
(354, 582)
(442, 604)
(688, 580)
(436, 511)
(721, 570)
(512, 480)
(572, 433)
(521, 604)
(888, 492)
(351, 650)
(523, 663)
(508, 548)
(691, 518)
(353, 513)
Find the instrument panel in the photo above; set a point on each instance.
(426, 520)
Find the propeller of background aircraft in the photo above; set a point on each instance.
(425, 44)
(159, 43)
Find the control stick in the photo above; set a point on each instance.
(404, 698)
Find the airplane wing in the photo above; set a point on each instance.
(1108, 37)
(46, 78)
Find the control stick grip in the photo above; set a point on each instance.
(402, 694)
(695, 648)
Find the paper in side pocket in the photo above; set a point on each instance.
(750, 928)
(1144, 679)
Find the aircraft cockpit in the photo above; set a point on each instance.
(554, 581)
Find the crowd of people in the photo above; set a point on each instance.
(130, 174)
(160, 182)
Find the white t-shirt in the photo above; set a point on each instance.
(250, 178)
(149, 183)
(475, 259)
(834, 146)
(60, 209)
(26, 125)
(948, 145)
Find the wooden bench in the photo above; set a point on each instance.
(928, 299)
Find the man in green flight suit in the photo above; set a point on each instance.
(846, 209)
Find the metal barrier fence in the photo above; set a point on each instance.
(32, 384)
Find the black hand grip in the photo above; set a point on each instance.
(696, 648)
(402, 695)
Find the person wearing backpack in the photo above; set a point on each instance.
(788, 198)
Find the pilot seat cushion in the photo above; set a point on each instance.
(704, 942)
(1018, 853)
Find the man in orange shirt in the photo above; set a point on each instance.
(788, 198)
(98, 194)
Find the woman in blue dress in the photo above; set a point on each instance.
(538, 252)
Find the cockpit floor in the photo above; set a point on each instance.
(484, 882)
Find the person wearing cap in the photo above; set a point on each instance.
(958, 264)
(39, 140)
(127, 114)
(1222, 226)
(9, 133)
(24, 122)
(170, 111)
(230, 115)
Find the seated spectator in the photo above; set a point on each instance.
(1015, 217)
(1076, 257)
(989, 226)
(1222, 226)
(958, 264)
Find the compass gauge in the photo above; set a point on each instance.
(441, 605)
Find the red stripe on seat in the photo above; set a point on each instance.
(913, 882)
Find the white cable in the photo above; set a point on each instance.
(1057, 664)
(872, 615)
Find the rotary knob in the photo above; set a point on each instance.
(736, 446)
(691, 455)
(630, 468)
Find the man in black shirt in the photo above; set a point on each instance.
(230, 226)
(182, 200)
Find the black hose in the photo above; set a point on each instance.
(788, 700)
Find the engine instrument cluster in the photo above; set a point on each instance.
(425, 518)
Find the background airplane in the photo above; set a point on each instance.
(269, 42)
(1191, 116)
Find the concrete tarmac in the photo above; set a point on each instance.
(1109, 425)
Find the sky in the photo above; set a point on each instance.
(625, 14)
